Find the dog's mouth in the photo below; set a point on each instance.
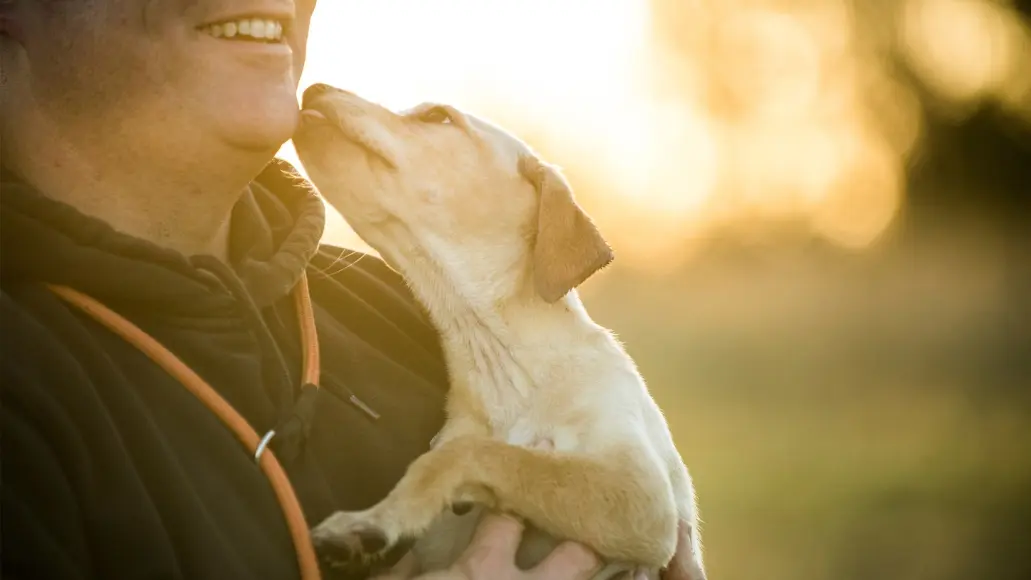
(314, 116)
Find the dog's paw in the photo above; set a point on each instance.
(349, 541)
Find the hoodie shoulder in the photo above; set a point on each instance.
(362, 292)
(44, 394)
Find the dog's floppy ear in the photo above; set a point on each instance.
(568, 248)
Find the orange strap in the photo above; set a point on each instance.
(237, 424)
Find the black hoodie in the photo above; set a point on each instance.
(112, 469)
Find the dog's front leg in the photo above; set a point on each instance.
(622, 506)
(432, 483)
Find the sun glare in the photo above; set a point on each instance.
(563, 69)
(673, 118)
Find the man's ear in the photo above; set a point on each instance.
(568, 248)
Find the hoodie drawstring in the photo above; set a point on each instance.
(297, 409)
(294, 427)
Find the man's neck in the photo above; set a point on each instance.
(177, 215)
(175, 208)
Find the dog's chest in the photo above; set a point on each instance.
(566, 423)
(531, 430)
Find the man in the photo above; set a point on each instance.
(136, 151)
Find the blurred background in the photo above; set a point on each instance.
(821, 211)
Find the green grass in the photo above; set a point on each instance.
(823, 448)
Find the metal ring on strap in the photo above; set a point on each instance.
(263, 444)
(307, 560)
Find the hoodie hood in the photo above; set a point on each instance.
(196, 301)
(112, 469)
(275, 230)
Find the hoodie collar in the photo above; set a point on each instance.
(275, 229)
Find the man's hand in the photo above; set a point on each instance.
(683, 566)
(491, 556)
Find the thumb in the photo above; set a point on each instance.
(493, 546)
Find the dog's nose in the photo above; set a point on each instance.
(315, 91)
(318, 89)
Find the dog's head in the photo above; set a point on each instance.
(448, 198)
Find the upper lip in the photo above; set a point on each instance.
(279, 12)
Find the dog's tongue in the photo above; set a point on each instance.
(312, 116)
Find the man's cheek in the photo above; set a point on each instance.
(299, 57)
(299, 35)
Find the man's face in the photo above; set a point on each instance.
(168, 73)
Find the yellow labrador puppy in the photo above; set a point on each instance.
(547, 416)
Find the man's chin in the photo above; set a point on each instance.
(263, 138)
(256, 128)
(256, 146)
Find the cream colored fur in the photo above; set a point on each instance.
(548, 417)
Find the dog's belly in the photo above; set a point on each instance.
(450, 534)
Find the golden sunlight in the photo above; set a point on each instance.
(785, 114)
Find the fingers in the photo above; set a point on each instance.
(493, 546)
(569, 561)
(491, 554)
(683, 566)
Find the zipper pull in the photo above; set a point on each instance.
(363, 407)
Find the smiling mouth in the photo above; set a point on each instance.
(260, 30)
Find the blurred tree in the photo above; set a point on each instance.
(968, 178)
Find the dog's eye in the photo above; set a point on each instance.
(438, 115)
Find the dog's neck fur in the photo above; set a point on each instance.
(500, 347)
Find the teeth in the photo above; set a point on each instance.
(256, 28)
